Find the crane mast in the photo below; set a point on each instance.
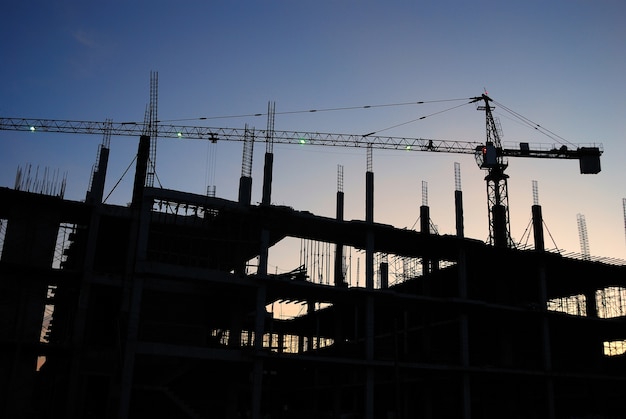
(490, 157)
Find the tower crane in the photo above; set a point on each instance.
(491, 155)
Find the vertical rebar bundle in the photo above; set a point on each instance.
(50, 184)
(151, 127)
(457, 176)
(269, 132)
(248, 150)
(582, 233)
(339, 178)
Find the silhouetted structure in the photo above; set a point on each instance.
(157, 314)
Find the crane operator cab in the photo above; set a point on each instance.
(487, 156)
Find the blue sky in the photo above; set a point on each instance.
(560, 64)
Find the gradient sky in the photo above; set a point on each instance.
(561, 64)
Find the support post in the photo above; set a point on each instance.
(267, 179)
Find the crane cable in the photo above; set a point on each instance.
(344, 108)
(536, 126)
(416, 119)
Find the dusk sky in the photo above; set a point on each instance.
(560, 64)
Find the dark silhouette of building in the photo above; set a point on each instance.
(157, 315)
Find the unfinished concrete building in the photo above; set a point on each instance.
(156, 314)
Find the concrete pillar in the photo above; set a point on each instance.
(369, 306)
(133, 294)
(263, 252)
(591, 304)
(369, 197)
(425, 229)
(96, 192)
(424, 219)
(80, 320)
(538, 228)
(464, 337)
(458, 206)
(267, 179)
(384, 275)
(245, 190)
(339, 279)
(257, 369)
(369, 217)
(143, 155)
(369, 355)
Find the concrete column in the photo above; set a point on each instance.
(267, 179)
(464, 337)
(245, 190)
(538, 228)
(96, 192)
(369, 355)
(133, 291)
(257, 369)
(369, 305)
(143, 155)
(369, 218)
(591, 303)
(546, 344)
(80, 320)
(458, 206)
(339, 279)
(263, 252)
(425, 229)
(369, 197)
(384, 275)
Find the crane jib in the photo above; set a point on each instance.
(589, 156)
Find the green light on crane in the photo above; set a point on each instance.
(302, 141)
(32, 129)
(179, 135)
